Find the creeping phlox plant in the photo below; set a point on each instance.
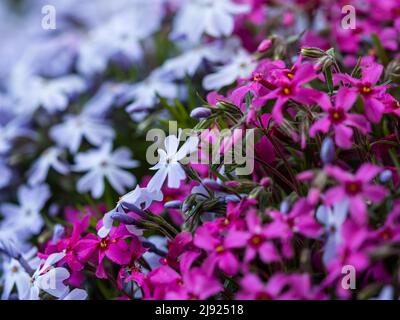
(309, 102)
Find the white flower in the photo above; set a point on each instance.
(49, 279)
(15, 275)
(332, 221)
(241, 66)
(168, 165)
(145, 94)
(53, 95)
(48, 159)
(120, 35)
(188, 62)
(25, 218)
(214, 17)
(76, 294)
(140, 197)
(11, 130)
(103, 164)
(71, 132)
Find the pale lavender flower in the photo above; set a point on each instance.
(75, 128)
(103, 163)
(49, 159)
(145, 94)
(213, 17)
(332, 221)
(25, 218)
(241, 66)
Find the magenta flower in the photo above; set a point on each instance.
(195, 285)
(114, 247)
(69, 244)
(279, 287)
(289, 86)
(260, 82)
(299, 220)
(390, 231)
(370, 93)
(254, 240)
(357, 188)
(352, 252)
(219, 250)
(252, 288)
(337, 118)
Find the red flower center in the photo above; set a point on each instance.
(337, 115)
(366, 89)
(263, 296)
(353, 187)
(286, 91)
(219, 249)
(386, 234)
(256, 240)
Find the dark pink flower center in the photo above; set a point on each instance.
(353, 187)
(365, 89)
(256, 240)
(337, 115)
(386, 234)
(263, 296)
(220, 248)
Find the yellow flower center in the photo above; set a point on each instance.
(366, 89)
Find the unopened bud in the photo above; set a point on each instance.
(123, 218)
(232, 198)
(200, 113)
(265, 182)
(284, 207)
(385, 176)
(264, 45)
(58, 233)
(232, 184)
(131, 207)
(328, 153)
(314, 53)
(174, 204)
(213, 185)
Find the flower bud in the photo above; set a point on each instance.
(265, 182)
(284, 207)
(174, 204)
(232, 184)
(328, 153)
(314, 53)
(213, 185)
(123, 218)
(58, 232)
(385, 176)
(264, 45)
(200, 113)
(131, 207)
(232, 198)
